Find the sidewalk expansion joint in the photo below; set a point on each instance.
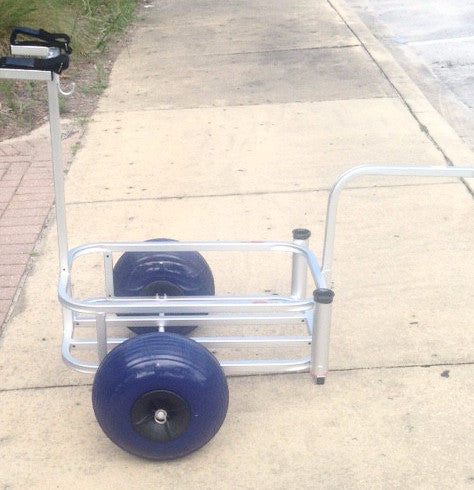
(402, 366)
(336, 370)
(255, 193)
(282, 50)
(46, 387)
(243, 104)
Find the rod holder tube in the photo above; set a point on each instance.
(321, 334)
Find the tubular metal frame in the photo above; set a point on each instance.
(266, 309)
(102, 313)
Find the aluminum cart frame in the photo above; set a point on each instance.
(102, 313)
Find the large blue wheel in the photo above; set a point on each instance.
(163, 274)
(160, 396)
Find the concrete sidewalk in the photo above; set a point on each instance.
(230, 120)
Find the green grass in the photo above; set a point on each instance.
(100, 83)
(18, 105)
(13, 13)
(90, 23)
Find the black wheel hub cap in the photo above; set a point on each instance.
(161, 288)
(160, 416)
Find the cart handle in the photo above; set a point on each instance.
(381, 170)
(57, 64)
(45, 38)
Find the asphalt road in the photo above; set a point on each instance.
(434, 42)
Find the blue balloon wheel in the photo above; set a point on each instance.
(160, 396)
(163, 274)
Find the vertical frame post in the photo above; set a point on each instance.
(109, 274)
(56, 158)
(299, 265)
(101, 327)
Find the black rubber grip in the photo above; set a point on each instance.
(44, 38)
(26, 31)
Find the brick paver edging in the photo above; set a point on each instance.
(26, 196)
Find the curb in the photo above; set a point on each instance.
(435, 127)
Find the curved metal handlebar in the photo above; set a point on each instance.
(382, 170)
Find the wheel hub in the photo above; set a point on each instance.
(160, 416)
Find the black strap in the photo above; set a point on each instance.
(56, 64)
(47, 39)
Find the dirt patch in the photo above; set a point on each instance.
(23, 107)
